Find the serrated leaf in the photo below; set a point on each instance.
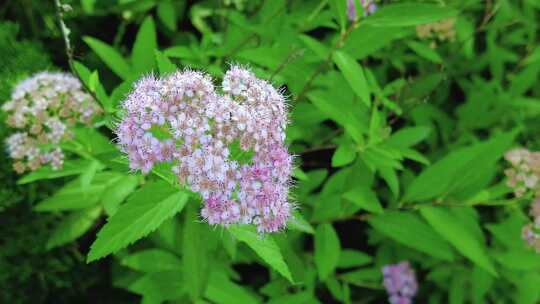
(142, 55)
(354, 74)
(152, 260)
(327, 250)
(144, 212)
(409, 230)
(73, 226)
(264, 246)
(452, 230)
(110, 57)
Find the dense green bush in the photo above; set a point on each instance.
(400, 119)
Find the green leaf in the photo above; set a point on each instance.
(353, 258)
(318, 48)
(142, 55)
(299, 174)
(339, 9)
(240, 155)
(165, 66)
(390, 178)
(144, 212)
(195, 254)
(152, 260)
(527, 288)
(92, 141)
(409, 230)
(408, 137)
(344, 155)
(91, 80)
(117, 192)
(407, 14)
(518, 259)
(340, 113)
(73, 196)
(160, 286)
(354, 74)
(450, 228)
(458, 169)
(73, 226)
(166, 12)
(298, 222)
(364, 198)
(222, 290)
(365, 277)
(264, 246)
(481, 284)
(327, 250)
(88, 175)
(110, 56)
(180, 51)
(425, 51)
(71, 167)
(88, 6)
(368, 39)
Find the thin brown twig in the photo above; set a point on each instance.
(292, 56)
(316, 149)
(252, 36)
(60, 8)
(328, 60)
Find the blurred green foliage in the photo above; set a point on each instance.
(399, 136)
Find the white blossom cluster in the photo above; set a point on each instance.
(42, 108)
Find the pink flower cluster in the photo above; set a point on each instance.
(524, 175)
(400, 283)
(181, 119)
(531, 232)
(524, 178)
(42, 108)
(368, 6)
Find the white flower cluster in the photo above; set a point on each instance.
(42, 108)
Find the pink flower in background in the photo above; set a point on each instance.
(42, 108)
(351, 10)
(181, 119)
(368, 6)
(399, 280)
